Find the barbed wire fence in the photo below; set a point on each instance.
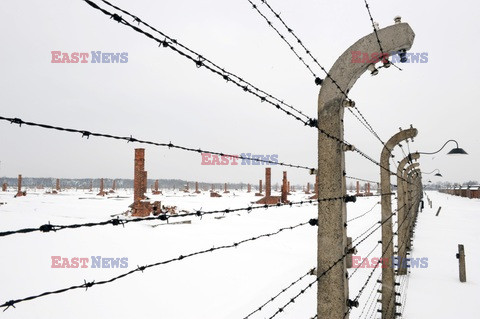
(202, 62)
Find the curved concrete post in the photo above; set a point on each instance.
(410, 197)
(403, 234)
(332, 291)
(415, 178)
(388, 272)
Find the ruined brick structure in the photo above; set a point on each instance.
(285, 187)
(19, 188)
(140, 206)
(268, 199)
(4, 187)
(260, 190)
(155, 189)
(114, 187)
(57, 185)
(215, 194)
(249, 188)
(226, 191)
(308, 189)
(367, 190)
(316, 189)
(196, 189)
(101, 192)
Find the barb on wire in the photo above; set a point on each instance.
(164, 217)
(201, 61)
(309, 272)
(86, 284)
(130, 138)
(292, 300)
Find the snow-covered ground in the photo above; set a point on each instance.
(436, 292)
(229, 283)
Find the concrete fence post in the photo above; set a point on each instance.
(388, 272)
(402, 206)
(332, 291)
(409, 201)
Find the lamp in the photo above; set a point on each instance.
(438, 174)
(455, 151)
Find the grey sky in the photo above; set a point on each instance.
(160, 96)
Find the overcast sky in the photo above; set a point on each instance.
(161, 96)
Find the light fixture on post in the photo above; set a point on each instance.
(455, 151)
(438, 173)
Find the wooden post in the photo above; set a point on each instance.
(461, 263)
(438, 212)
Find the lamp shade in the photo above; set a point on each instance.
(457, 151)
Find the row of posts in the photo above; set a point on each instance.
(332, 245)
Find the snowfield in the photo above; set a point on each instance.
(227, 283)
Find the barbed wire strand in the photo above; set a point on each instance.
(309, 272)
(201, 61)
(364, 259)
(376, 35)
(131, 139)
(292, 300)
(375, 293)
(86, 285)
(164, 217)
(361, 179)
(318, 81)
(360, 216)
(255, 7)
(371, 273)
